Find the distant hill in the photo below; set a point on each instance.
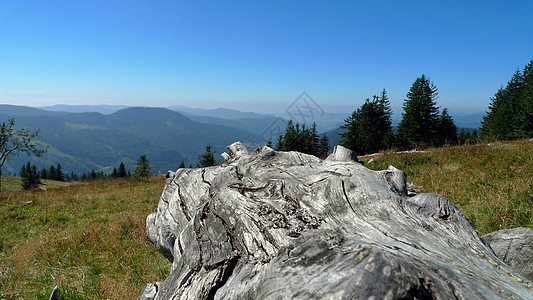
(242, 120)
(103, 109)
(15, 110)
(224, 113)
(85, 137)
(85, 141)
(467, 120)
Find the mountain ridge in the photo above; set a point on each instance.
(91, 140)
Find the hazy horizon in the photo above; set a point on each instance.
(278, 110)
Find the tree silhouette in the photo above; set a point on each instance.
(14, 142)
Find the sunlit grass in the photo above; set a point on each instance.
(12, 183)
(491, 183)
(87, 238)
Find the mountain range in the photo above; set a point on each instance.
(92, 140)
(99, 137)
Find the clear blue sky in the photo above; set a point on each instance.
(258, 56)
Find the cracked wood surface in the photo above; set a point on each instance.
(286, 225)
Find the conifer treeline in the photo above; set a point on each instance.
(510, 114)
(368, 129)
(53, 173)
(303, 139)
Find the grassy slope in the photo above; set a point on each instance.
(492, 184)
(11, 183)
(88, 238)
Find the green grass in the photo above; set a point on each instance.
(492, 184)
(11, 183)
(87, 238)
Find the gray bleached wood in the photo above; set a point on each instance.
(514, 247)
(286, 225)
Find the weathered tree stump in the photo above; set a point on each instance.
(286, 225)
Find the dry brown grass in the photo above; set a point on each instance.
(88, 238)
(491, 183)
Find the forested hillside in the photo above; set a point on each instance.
(85, 141)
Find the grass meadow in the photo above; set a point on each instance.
(89, 238)
(491, 183)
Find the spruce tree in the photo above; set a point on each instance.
(323, 147)
(30, 176)
(143, 167)
(121, 173)
(52, 174)
(418, 126)
(369, 128)
(462, 137)
(59, 176)
(299, 138)
(114, 174)
(510, 114)
(350, 133)
(386, 133)
(182, 165)
(314, 140)
(44, 173)
(207, 159)
(526, 103)
(446, 130)
(279, 143)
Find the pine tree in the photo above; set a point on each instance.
(44, 173)
(299, 138)
(418, 126)
(462, 137)
(510, 114)
(446, 130)
(526, 113)
(369, 128)
(279, 143)
(324, 147)
(121, 173)
(30, 176)
(386, 133)
(114, 174)
(143, 167)
(59, 176)
(207, 159)
(314, 140)
(350, 133)
(182, 165)
(52, 174)
(474, 137)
